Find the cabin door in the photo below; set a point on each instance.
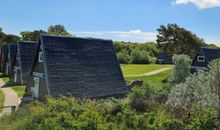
(36, 86)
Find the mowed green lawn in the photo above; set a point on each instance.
(137, 69)
(19, 89)
(156, 82)
(1, 100)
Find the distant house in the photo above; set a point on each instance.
(24, 60)
(10, 59)
(3, 57)
(79, 67)
(203, 57)
(164, 58)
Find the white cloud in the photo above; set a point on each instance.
(132, 36)
(201, 4)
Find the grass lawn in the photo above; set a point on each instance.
(156, 82)
(137, 69)
(20, 90)
(1, 100)
(6, 79)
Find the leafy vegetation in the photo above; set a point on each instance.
(6, 39)
(58, 30)
(182, 66)
(35, 35)
(135, 53)
(72, 114)
(142, 108)
(136, 69)
(31, 36)
(1, 100)
(177, 40)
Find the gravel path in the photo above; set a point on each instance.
(149, 73)
(11, 98)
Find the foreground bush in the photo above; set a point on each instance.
(182, 65)
(72, 114)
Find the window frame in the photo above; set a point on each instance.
(199, 60)
(40, 57)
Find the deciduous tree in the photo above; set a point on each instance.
(177, 40)
(31, 36)
(58, 30)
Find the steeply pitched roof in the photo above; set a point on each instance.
(26, 52)
(211, 53)
(12, 53)
(82, 67)
(164, 58)
(4, 52)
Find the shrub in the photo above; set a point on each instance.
(138, 98)
(182, 65)
(139, 57)
(203, 119)
(172, 125)
(123, 57)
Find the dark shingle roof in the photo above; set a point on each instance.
(26, 52)
(211, 53)
(4, 52)
(12, 53)
(167, 59)
(82, 67)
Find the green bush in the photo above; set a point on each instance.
(182, 65)
(139, 57)
(138, 98)
(172, 125)
(135, 53)
(205, 119)
(123, 58)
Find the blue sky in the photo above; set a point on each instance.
(128, 20)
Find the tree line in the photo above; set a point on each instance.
(171, 39)
(32, 35)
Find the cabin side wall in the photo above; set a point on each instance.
(38, 71)
(17, 70)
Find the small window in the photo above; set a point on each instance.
(40, 59)
(201, 59)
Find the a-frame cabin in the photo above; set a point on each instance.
(203, 57)
(164, 58)
(79, 67)
(23, 61)
(4, 53)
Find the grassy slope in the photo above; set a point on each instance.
(1, 100)
(132, 69)
(20, 90)
(155, 81)
(2, 97)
